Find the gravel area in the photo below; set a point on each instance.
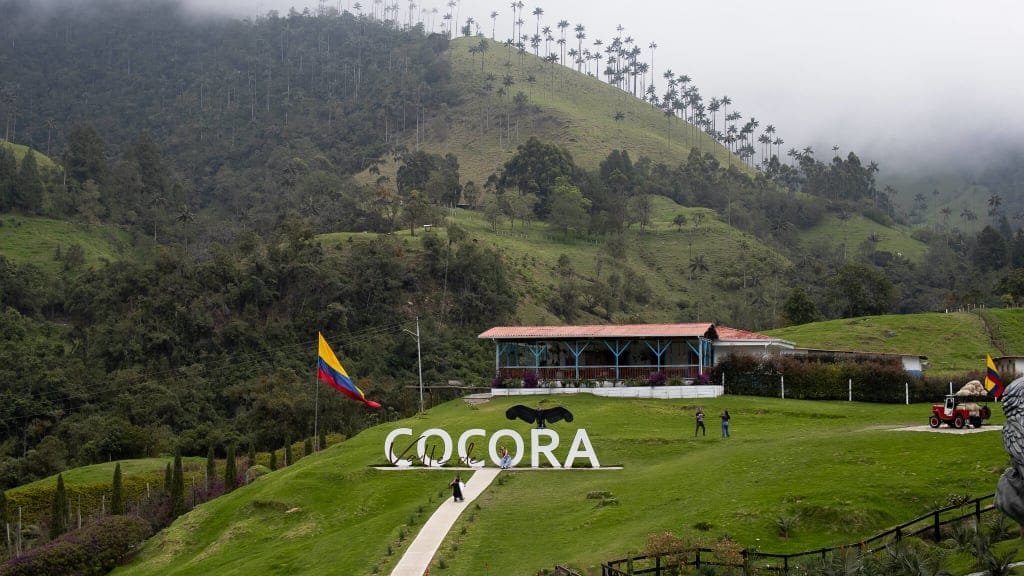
(949, 429)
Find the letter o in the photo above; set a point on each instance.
(492, 444)
(421, 447)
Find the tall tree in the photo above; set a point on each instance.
(86, 154)
(211, 466)
(117, 492)
(177, 487)
(28, 188)
(230, 470)
(59, 509)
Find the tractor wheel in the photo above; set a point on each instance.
(976, 421)
(958, 422)
(934, 422)
(985, 413)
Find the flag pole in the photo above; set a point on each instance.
(316, 403)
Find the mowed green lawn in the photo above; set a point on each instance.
(844, 471)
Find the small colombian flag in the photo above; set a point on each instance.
(329, 370)
(993, 383)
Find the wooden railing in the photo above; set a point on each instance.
(569, 373)
(927, 526)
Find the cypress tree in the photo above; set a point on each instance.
(230, 472)
(273, 459)
(59, 512)
(3, 518)
(251, 456)
(177, 488)
(211, 466)
(288, 452)
(167, 479)
(307, 447)
(322, 444)
(117, 492)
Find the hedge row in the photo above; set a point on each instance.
(94, 549)
(868, 381)
(36, 501)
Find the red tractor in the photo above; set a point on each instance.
(956, 412)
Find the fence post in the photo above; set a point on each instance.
(938, 533)
(906, 391)
(849, 389)
(782, 383)
(657, 565)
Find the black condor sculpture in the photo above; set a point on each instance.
(542, 416)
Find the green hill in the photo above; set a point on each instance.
(45, 242)
(839, 470)
(954, 343)
(580, 113)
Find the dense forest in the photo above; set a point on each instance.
(223, 148)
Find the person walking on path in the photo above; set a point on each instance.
(700, 423)
(456, 486)
(725, 423)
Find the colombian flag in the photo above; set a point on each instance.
(329, 370)
(993, 383)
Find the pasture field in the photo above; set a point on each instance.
(840, 471)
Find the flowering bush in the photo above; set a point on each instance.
(498, 381)
(94, 549)
(657, 379)
(702, 380)
(530, 380)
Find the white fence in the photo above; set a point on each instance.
(656, 392)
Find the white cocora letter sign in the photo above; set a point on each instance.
(543, 442)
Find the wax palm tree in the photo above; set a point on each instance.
(580, 36)
(494, 22)
(185, 215)
(562, 25)
(697, 265)
(652, 46)
(538, 12)
(994, 202)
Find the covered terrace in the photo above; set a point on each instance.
(603, 352)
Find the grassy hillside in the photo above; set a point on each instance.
(25, 239)
(840, 470)
(583, 114)
(737, 264)
(954, 343)
(856, 230)
(43, 161)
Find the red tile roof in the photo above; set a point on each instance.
(726, 333)
(705, 329)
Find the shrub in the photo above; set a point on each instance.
(498, 381)
(530, 380)
(95, 549)
(657, 379)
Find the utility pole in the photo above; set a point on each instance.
(419, 357)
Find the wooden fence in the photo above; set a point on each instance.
(928, 526)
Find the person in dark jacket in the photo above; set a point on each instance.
(456, 486)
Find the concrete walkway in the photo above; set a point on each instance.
(417, 558)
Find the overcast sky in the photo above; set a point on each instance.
(888, 79)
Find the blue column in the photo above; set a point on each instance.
(577, 350)
(617, 350)
(659, 349)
